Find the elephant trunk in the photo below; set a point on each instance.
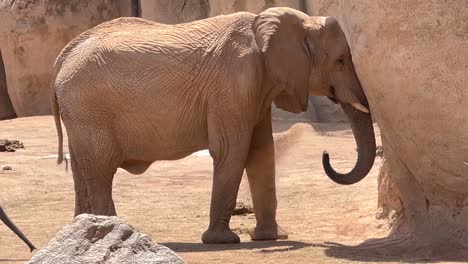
(363, 130)
(15, 229)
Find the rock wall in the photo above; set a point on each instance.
(32, 33)
(257, 6)
(411, 57)
(175, 11)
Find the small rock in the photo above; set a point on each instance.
(240, 230)
(7, 145)
(5, 168)
(379, 151)
(243, 209)
(95, 239)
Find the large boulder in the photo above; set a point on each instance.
(32, 33)
(411, 57)
(92, 239)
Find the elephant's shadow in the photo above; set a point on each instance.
(389, 249)
(263, 246)
(398, 249)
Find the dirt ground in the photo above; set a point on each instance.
(170, 202)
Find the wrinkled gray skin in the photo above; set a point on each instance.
(12, 226)
(132, 91)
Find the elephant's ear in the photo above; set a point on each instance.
(288, 103)
(282, 36)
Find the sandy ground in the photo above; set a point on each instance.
(170, 202)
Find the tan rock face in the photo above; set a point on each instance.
(411, 57)
(324, 8)
(32, 33)
(175, 11)
(231, 6)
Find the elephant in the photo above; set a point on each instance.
(131, 92)
(12, 226)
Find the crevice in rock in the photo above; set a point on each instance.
(136, 8)
(6, 107)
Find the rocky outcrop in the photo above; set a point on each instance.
(32, 33)
(94, 239)
(412, 61)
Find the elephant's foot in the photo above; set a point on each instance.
(214, 236)
(268, 233)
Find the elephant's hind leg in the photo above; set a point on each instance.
(94, 162)
(260, 169)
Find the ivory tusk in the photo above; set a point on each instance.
(360, 107)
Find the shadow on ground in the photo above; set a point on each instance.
(394, 249)
(264, 246)
(398, 249)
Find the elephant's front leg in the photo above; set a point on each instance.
(261, 173)
(229, 155)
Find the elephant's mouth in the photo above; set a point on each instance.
(332, 95)
(290, 103)
(333, 100)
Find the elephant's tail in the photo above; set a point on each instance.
(58, 126)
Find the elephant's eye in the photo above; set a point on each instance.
(340, 61)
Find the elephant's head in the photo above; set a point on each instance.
(310, 55)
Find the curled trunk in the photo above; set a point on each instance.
(363, 130)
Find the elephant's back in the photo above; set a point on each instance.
(129, 63)
(118, 50)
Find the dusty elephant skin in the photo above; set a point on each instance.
(131, 92)
(15, 229)
(94, 239)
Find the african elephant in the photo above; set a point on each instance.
(12, 226)
(131, 92)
